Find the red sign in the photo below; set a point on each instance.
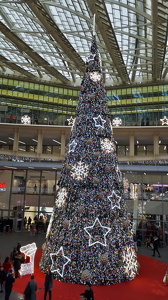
(2, 184)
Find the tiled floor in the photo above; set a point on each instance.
(9, 241)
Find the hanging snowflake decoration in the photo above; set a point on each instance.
(117, 122)
(164, 121)
(99, 122)
(59, 261)
(97, 233)
(61, 197)
(129, 258)
(25, 119)
(107, 146)
(79, 171)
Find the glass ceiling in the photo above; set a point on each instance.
(49, 41)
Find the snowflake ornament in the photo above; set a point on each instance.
(99, 122)
(25, 119)
(97, 233)
(129, 258)
(59, 261)
(79, 171)
(117, 122)
(61, 197)
(164, 121)
(107, 146)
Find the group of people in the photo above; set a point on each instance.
(6, 278)
(31, 288)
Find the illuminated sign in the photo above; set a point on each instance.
(2, 186)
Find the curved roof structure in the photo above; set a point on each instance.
(49, 40)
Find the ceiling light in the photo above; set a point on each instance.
(10, 138)
(35, 140)
(22, 142)
(56, 142)
(10, 167)
(3, 142)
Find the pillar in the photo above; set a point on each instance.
(131, 145)
(16, 140)
(156, 145)
(40, 142)
(62, 144)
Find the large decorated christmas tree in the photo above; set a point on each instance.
(89, 237)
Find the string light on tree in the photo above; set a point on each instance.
(25, 119)
(97, 233)
(164, 121)
(59, 261)
(99, 121)
(117, 122)
(79, 171)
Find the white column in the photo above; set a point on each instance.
(40, 142)
(131, 145)
(63, 143)
(156, 145)
(16, 140)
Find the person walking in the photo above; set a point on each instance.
(32, 287)
(9, 280)
(155, 245)
(17, 263)
(7, 265)
(89, 292)
(48, 284)
(2, 278)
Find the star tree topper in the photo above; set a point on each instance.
(59, 258)
(97, 233)
(115, 200)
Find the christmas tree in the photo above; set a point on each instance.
(89, 237)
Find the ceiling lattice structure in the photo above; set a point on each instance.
(49, 40)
